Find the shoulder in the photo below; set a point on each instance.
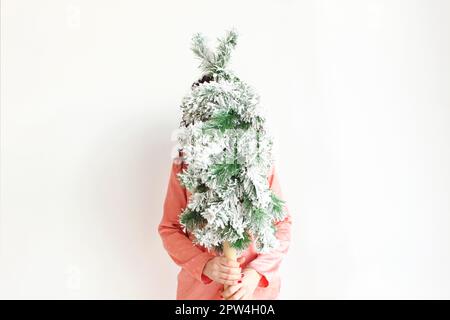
(178, 163)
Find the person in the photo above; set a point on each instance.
(203, 274)
(207, 275)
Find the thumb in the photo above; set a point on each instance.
(241, 260)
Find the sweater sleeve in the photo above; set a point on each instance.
(176, 242)
(267, 264)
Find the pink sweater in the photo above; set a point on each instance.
(192, 284)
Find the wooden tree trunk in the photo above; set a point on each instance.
(230, 253)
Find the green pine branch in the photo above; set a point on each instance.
(226, 120)
(225, 172)
(277, 203)
(202, 52)
(192, 219)
(223, 52)
(242, 243)
(215, 63)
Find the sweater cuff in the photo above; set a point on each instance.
(265, 277)
(263, 282)
(196, 265)
(206, 279)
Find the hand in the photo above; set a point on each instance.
(223, 270)
(244, 289)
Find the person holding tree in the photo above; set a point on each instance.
(224, 221)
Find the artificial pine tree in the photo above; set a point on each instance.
(228, 154)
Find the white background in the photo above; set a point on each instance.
(358, 93)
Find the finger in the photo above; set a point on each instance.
(229, 263)
(241, 260)
(223, 278)
(228, 292)
(230, 276)
(229, 270)
(238, 295)
(219, 267)
(228, 282)
(218, 278)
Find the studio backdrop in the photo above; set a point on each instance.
(357, 93)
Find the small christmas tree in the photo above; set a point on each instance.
(228, 153)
